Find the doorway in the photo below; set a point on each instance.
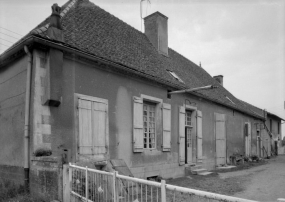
(258, 144)
(188, 137)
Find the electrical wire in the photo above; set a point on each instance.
(10, 31)
(13, 76)
(7, 40)
(9, 35)
(12, 97)
(4, 45)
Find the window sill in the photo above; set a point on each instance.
(151, 151)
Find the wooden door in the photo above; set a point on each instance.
(220, 133)
(259, 146)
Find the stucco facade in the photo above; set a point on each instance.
(12, 113)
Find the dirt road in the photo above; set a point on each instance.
(262, 183)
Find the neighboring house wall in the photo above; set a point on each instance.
(12, 114)
(274, 125)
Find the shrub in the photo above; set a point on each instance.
(9, 189)
(43, 152)
(11, 192)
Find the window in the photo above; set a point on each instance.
(149, 125)
(188, 129)
(230, 100)
(270, 126)
(188, 118)
(149, 113)
(278, 128)
(175, 76)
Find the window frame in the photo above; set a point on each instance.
(158, 116)
(147, 133)
(172, 73)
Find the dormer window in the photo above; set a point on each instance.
(230, 100)
(175, 76)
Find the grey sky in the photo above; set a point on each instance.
(242, 40)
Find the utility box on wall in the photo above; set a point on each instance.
(52, 81)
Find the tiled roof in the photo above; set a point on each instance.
(93, 30)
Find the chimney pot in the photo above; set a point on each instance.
(156, 29)
(220, 79)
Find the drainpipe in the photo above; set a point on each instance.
(27, 119)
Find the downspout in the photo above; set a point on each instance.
(27, 120)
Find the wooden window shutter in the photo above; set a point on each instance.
(138, 125)
(99, 126)
(248, 139)
(85, 127)
(199, 137)
(181, 135)
(166, 111)
(220, 133)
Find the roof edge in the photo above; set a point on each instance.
(275, 116)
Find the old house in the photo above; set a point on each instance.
(85, 87)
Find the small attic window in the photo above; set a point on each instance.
(230, 100)
(175, 76)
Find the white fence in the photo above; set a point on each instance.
(85, 184)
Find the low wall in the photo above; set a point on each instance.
(46, 177)
(12, 173)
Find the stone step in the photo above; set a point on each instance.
(225, 167)
(197, 171)
(205, 173)
(196, 167)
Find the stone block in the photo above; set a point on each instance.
(45, 119)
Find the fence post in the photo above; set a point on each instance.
(115, 191)
(86, 184)
(163, 191)
(66, 183)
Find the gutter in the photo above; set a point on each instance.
(35, 39)
(27, 119)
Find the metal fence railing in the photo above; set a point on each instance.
(85, 184)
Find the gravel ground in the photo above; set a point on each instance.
(267, 182)
(262, 181)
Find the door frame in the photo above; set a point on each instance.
(193, 132)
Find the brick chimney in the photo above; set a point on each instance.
(156, 30)
(219, 78)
